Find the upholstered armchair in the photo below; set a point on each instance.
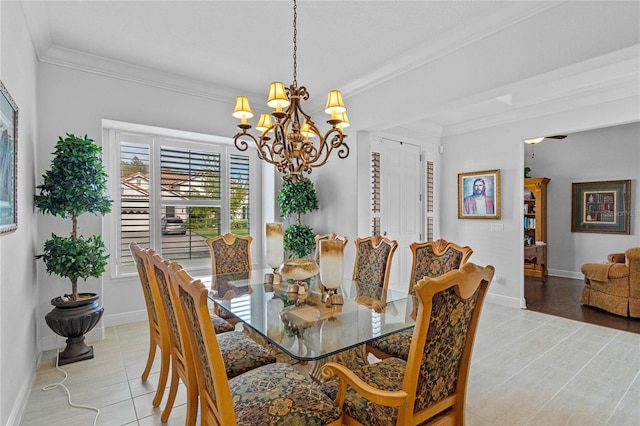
(614, 286)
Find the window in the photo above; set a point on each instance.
(174, 193)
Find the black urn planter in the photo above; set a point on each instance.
(74, 319)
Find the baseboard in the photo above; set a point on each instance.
(511, 302)
(125, 318)
(22, 398)
(566, 274)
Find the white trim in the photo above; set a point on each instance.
(164, 132)
(22, 397)
(566, 274)
(511, 302)
(125, 318)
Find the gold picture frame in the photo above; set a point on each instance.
(479, 195)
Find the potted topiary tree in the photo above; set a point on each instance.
(298, 197)
(75, 184)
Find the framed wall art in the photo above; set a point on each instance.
(479, 195)
(601, 207)
(8, 162)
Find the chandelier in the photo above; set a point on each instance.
(286, 141)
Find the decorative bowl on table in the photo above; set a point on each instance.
(298, 270)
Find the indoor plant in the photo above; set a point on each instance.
(298, 197)
(75, 184)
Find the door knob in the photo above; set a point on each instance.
(384, 233)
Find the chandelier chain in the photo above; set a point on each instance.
(295, 44)
(285, 135)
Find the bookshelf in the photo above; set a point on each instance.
(535, 227)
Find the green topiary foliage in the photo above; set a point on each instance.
(74, 258)
(299, 240)
(298, 197)
(75, 184)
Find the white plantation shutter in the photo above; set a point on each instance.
(164, 182)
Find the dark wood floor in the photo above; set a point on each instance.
(561, 297)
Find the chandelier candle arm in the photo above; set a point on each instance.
(285, 141)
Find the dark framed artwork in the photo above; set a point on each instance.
(8, 162)
(601, 207)
(479, 195)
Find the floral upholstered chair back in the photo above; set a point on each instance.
(448, 313)
(140, 257)
(163, 282)
(435, 258)
(373, 266)
(230, 253)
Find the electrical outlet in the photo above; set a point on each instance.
(497, 227)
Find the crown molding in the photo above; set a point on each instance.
(552, 106)
(73, 59)
(607, 78)
(434, 49)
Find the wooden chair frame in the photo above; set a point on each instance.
(212, 412)
(439, 248)
(228, 239)
(451, 409)
(158, 336)
(216, 402)
(182, 367)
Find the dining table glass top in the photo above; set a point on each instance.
(303, 325)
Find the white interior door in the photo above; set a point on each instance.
(401, 208)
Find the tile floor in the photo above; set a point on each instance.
(528, 368)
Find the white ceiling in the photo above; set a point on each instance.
(481, 62)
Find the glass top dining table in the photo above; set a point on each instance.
(302, 325)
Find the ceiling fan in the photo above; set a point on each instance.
(534, 141)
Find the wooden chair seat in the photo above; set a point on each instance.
(386, 375)
(241, 354)
(221, 325)
(279, 394)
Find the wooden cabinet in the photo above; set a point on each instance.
(535, 227)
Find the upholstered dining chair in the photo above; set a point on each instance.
(158, 337)
(430, 259)
(229, 253)
(240, 353)
(372, 267)
(275, 394)
(430, 387)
